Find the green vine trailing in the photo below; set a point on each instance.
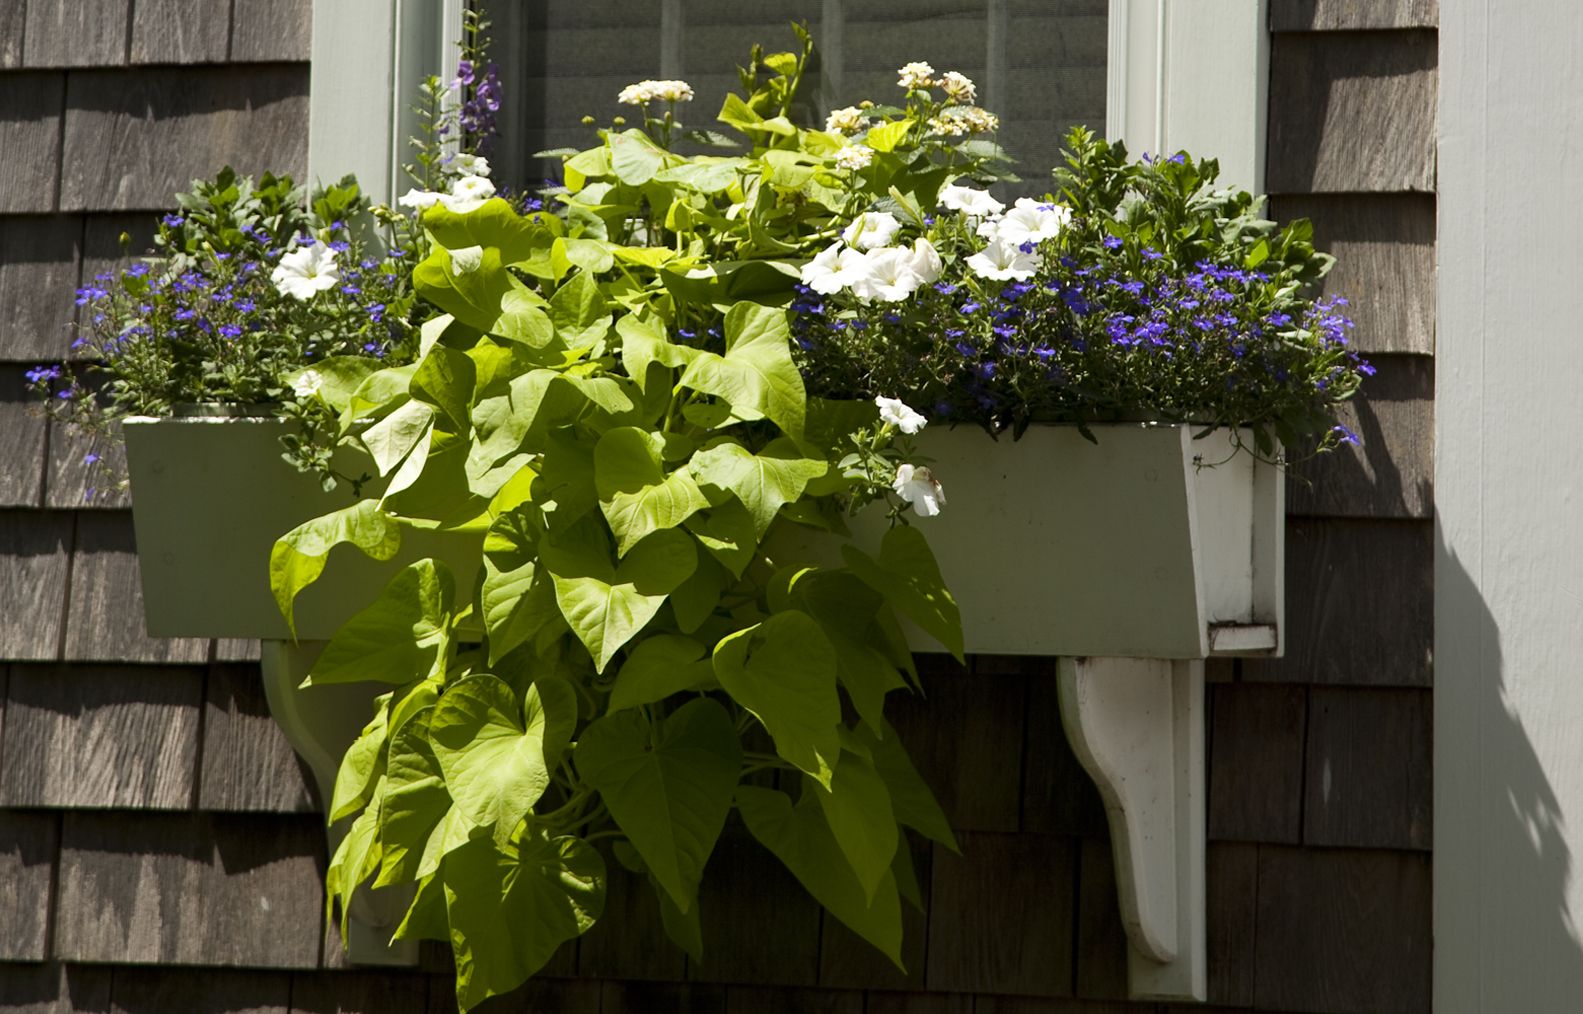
(671, 626)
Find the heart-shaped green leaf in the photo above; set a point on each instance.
(784, 671)
(763, 482)
(635, 493)
(400, 637)
(491, 750)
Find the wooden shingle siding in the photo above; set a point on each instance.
(1384, 246)
(38, 275)
(271, 30)
(75, 33)
(1343, 931)
(1256, 762)
(1390, 472)
(54, 989)
(105, 619)
(381, 992)
(1000, 914)
(1352, 111)
(92, 737)
(176, 31)
(1058, 797)
(1231, 920)
(1100, 961)
(247, 763)
(847, 961)
(1359, 604)
(159, 991)
(638, 998)
(629, 941)
(35, 559)
(171, 125)
(747, 1000)
(28, 843)
(13, 21)
(1332, 15)
(84, 470)
(740, 944)
(1368, 782)
(21, 467)
(31, 105)
(919, 1003)
(193, 889)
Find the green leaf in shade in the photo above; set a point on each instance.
(635, 493)
(471, 293)
(517, 598)
(910, 799)
(763, 482)
(907, 575)
(684, 928)
(694, 600)
(801, 839)
(362, 765)
(857, 808)
(658, 667)
(298, 558)
(846, 608)
(727, 533)
(784, 671)
(535, 403)
(400, 637)
(756, 375)
(634, 158)
(511, 906)
(416, 808)
(605, 603)
(356, 859)
(668, 788)
(491, 750)
(445, 379)
(392, 438)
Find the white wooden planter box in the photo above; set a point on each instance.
(1054, 545)
(210, 495)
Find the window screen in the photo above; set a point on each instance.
(1039, 64)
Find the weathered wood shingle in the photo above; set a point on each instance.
(1359, 605)
(35, 561)
(1384, 246)
(247, 762)
(847, 961)
(1256, 762)
(54, 989)
(89, 736)
(1231, 881)
(382, 992)
(28, 843)
(1058, 796)
(1369, 768)
(740, 943)
(1351, 15)
(133, 138)
(268, 30)
(21, 468)
(84, 470)
(629, 941)
(13, 22)
(180, 31)
(197, 889)
(156, 991)
(1000, 915)
(105, 623)
(38, 277)
(1390, 473)
(75, 33)
(648, 998)
(747, 1000)
(1352, 112)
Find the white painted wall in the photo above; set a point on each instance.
(1509, 493)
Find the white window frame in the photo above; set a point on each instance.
(1190, 75)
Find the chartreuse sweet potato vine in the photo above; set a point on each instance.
(609, 412)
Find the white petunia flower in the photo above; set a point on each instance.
(465, 261)
(970, 202)
(846, 121)
(307, 384)
(469, 165)
(1001, 261)
(915, 76)
(925, 261)
(871, 229)
(468, 194)
(835, 268)
(306, 271)
(918, 486)
(1028, 221)
(855, 157)
(958, 87)
(896, 412)
(419, 199)
(891, 278)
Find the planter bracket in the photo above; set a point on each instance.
(1137, 727)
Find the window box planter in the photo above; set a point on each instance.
(210, 495)
(1055, 545)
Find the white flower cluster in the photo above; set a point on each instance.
(644, 92)
(306, 271)
(958, 87)
(468, 193)
(915, 76)
(849, 120)
(955, 121)
(913, 483)
(1012, 250)
(863, 261)
(854, 157)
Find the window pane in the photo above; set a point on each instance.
(1039, 64)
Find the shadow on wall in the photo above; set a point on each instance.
(1521, 866)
